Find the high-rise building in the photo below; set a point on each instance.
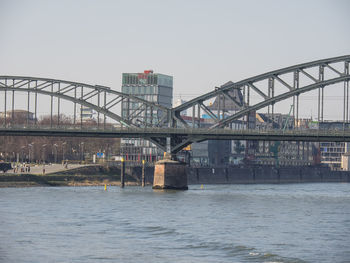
(153, 87)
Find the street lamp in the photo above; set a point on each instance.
(22, 153)
(55, 152)
(30, 152)
(43, 153)
(82, 151)
(63, 150)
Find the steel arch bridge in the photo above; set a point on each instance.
(139, 116)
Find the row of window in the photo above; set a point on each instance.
(148, 90)
(135, 78)
(147, 79)
(332, 144)
(331, 155)
(140, 90)
(134, 105)
(336, 150)
(331, 159)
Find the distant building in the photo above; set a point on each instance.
(17, 116)
(86, 114)
(302, 153)
(223, 104)
(275, 121)
(288, 153)
(345, 162)
(219, 152)
(332, 152)
(153, 87)
(225, 152)
(179, 102)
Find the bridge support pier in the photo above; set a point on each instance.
(169, 174)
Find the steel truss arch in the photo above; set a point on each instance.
(269, 99)
(45, 86)
(319, 74)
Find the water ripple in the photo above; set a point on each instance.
(220, 223)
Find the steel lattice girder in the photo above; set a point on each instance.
(186, 135)
(268, 99)
(172, 117)
(44, 86)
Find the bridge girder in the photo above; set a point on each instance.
(269, 98)
(288, 79)
(88, 95)
(271, 101)
(187, 135)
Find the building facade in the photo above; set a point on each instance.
(284, 153)
(221, 152)
(153, 87)
(17, 117)
(332, 152)
(86, 114)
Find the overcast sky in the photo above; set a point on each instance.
(202, 44)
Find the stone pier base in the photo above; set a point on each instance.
(169, 174)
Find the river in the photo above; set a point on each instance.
(216, 223)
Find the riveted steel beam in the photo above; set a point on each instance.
(279, 98)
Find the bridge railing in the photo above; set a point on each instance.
(176, 131)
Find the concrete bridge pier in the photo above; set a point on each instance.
(170, 174)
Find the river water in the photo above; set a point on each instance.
(219, 223)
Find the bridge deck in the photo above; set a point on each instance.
(196, 134)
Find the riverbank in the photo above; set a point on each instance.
(75, 175)
(30, 180)
(96, 175)
(266, 175)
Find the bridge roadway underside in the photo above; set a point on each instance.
(194, 135)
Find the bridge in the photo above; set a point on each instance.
(167, 127)
(199, 133)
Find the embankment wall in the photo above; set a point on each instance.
(253, 175)
(201, 175)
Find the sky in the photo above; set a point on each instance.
(201, 43)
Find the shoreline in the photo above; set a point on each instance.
(83, 176)
(98, 175)
(68, 184)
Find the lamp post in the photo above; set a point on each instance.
(43, 157)
(63, 150)
(55, 152)
(30, 152)
(108, 153)
(22, 153)
(82, 151)
(75, 154)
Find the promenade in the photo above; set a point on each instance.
(49, 169)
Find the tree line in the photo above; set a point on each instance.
(53, 149)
